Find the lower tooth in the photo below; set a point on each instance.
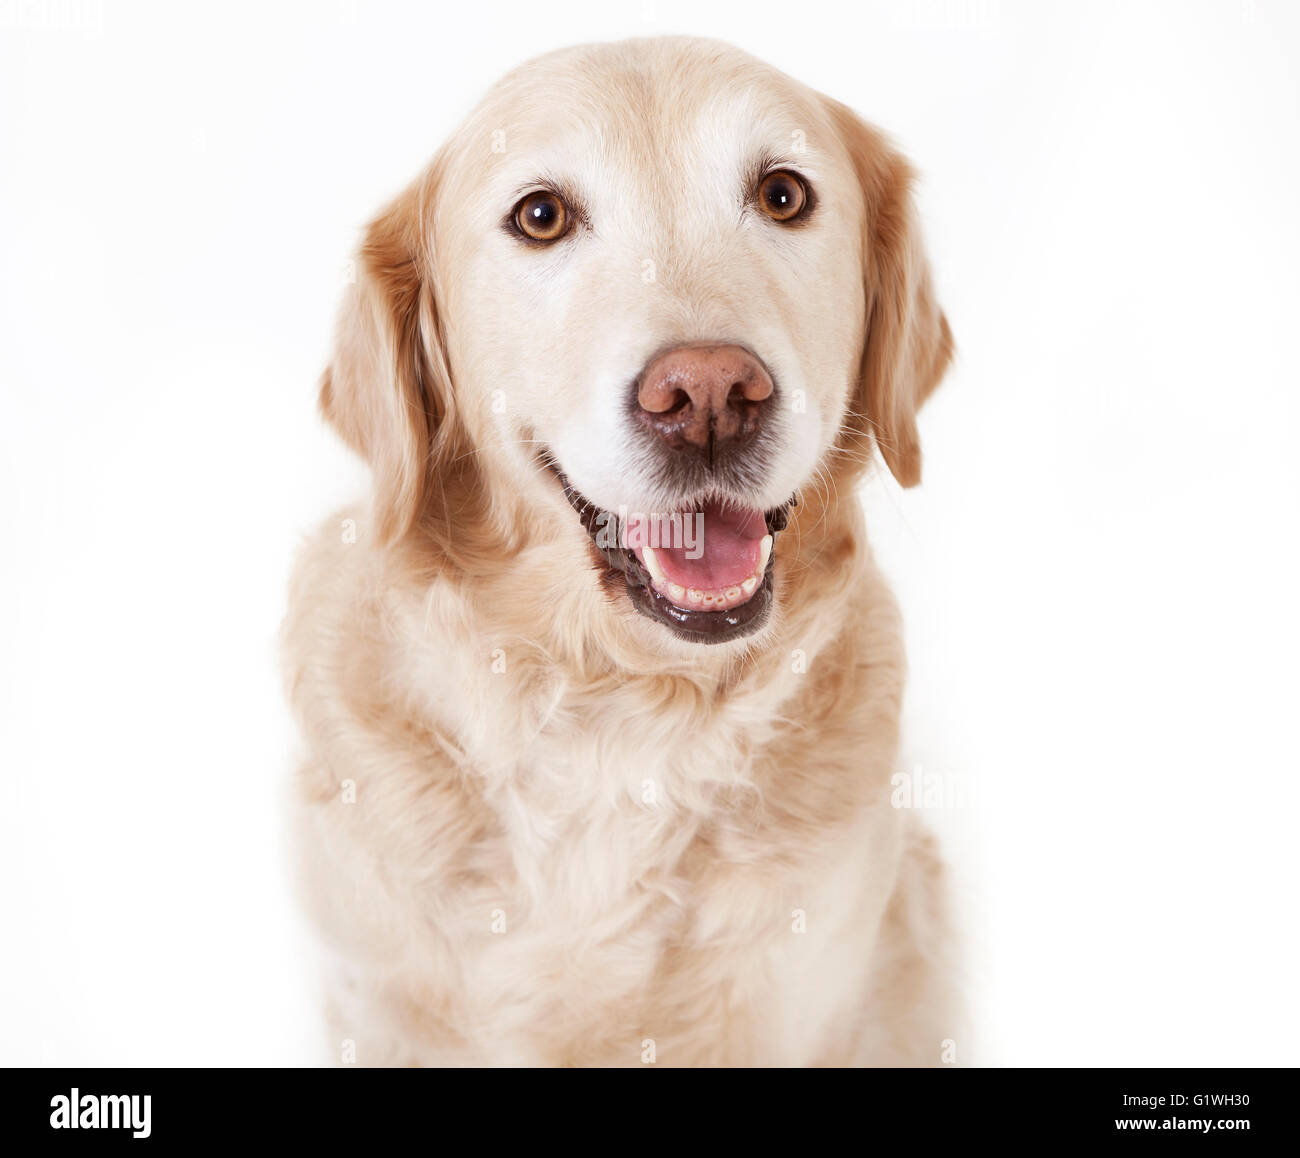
(733, 593)
(676, 592)
(695, 595)
(749, 584)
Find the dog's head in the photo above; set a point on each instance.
(657, 279)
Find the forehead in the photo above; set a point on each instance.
(657, 113)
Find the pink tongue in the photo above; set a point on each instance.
(725, 542)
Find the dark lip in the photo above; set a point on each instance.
(695, 626)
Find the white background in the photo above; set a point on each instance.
(1099, 574)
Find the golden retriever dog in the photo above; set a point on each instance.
(599, 690)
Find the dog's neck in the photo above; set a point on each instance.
(512, 630)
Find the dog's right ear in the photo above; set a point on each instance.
(386, 390)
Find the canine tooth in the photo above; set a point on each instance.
(676, 592)
(749, 584)
(764, 553)
(652, 565)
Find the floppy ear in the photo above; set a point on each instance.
(908, 343)
(386, 388)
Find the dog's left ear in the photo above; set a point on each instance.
(908, 344)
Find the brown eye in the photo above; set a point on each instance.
(542, 216)
(782, 196)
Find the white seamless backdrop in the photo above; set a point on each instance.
(1099, 574)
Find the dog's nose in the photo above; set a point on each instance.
(704, 396)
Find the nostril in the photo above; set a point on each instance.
(753, 387)
(680, 401)
(746, 391)
(658, 396)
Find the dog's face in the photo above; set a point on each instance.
(661, 279)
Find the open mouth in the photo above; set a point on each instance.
(704, 572)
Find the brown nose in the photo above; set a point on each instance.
(704, 396)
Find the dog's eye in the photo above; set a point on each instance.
(542, 216)
(782, 196)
